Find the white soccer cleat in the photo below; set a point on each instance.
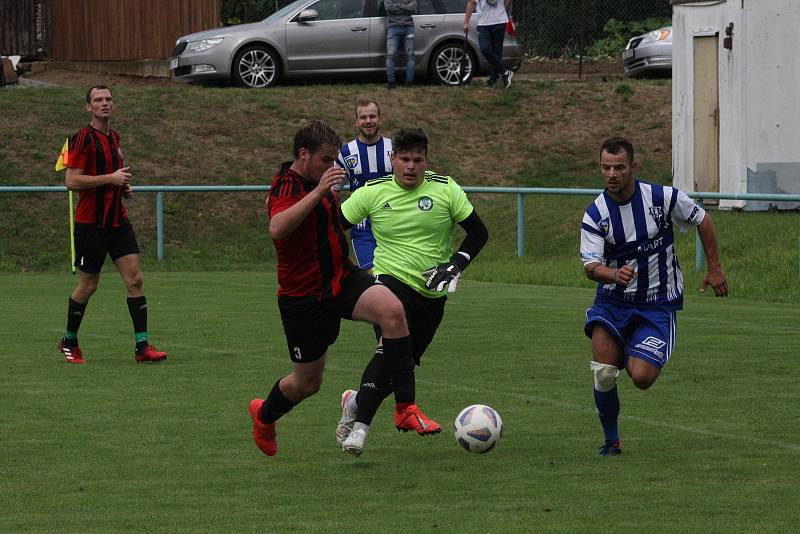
(354, 444)
(345, 425)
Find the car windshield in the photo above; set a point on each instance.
(284, 10)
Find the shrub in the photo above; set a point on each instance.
(618, 33)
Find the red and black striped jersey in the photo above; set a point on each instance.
(315, 259)
(98, 153)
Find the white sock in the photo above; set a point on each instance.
(351, 404)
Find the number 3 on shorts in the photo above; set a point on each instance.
(297, 354)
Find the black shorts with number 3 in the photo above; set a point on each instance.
(312, 325)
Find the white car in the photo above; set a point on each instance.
(650, 53)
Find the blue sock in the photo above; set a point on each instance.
(607, 403)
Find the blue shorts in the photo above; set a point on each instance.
(644, 333)
(363, 247)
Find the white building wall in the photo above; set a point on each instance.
(773, 82)
(759, 88)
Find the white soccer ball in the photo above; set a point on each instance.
(478, 428)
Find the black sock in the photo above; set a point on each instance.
(276, 405)
(377, 330)
(401, 362)
(75, 311)
(375, 386)
(137, 307)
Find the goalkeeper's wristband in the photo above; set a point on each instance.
(461, 259)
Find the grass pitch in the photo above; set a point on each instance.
(114, 446)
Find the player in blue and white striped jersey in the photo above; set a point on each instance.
(365, 158)
(628, 247)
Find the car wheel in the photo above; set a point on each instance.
(446, 64)
(256, 67)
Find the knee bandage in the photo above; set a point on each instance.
(605, 376)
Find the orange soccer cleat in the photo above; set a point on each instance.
(412, 418)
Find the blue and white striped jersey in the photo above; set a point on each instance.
(639, 233)
(365, 162)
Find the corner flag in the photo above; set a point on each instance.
(63, 157)
(61, 164)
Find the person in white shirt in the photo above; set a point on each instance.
(492, 20)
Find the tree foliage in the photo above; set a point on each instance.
(240, 11)
(618, 33)
(566, 28)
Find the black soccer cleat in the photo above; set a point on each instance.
(610, 448)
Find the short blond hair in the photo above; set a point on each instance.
(363, 101)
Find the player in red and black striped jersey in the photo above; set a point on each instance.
(317, 284)
(97, 153)
(95, 168)
(316, 260)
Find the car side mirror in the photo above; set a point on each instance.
(307, 15)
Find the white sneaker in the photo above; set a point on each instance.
(345, 425)
(509, 74)
(354, 444)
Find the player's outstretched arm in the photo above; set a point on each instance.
(715, 277)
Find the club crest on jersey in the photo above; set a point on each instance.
(603, 224)
(657, 213)
(425, 204)
(351, 161)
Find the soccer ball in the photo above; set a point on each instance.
(478, 428)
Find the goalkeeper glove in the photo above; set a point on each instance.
(446, 274)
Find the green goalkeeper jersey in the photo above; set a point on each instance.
(413, 228)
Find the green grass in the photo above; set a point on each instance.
(714, 446)
(193, 135)
(541, 134)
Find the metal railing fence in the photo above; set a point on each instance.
(520, 193)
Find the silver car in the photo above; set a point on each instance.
(323, 37)
(649, 53)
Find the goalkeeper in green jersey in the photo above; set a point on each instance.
(413, 214)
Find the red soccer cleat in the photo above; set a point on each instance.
(263, 434)
(71, 354)
(412, 418)
(150, 354)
